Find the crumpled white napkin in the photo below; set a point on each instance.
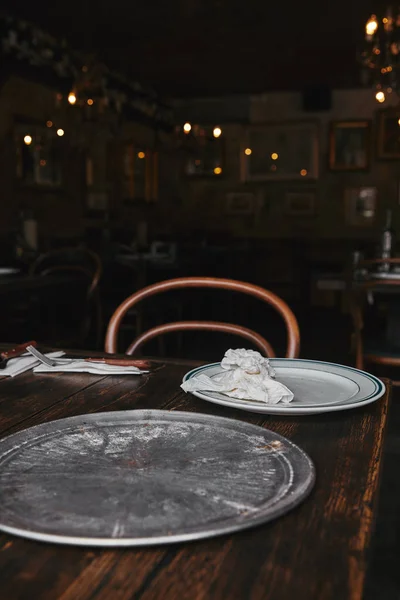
(16, 366)
(246, 375)
(73, 365)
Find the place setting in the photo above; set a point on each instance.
(26, 356)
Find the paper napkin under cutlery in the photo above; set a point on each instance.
(245, 375)
(73, 365)
(16, 366)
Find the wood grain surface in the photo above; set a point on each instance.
(318, 551)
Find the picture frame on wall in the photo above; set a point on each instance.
(360, 206)
(240, 203)
(281, 152)
(300, 203)
(40, 156)
(204, 153)
(97, 201)
(139, 174)
(349, 145)
(388, 134)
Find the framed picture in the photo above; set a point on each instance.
(39, 153)
(280, 151)
(240, 203)
(300, 204)
(349, 145)
(388, 137)
(361, 206)
(204, 153)
(140, 174)
(97, 201)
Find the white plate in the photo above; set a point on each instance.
(317, 386)
(8, 271)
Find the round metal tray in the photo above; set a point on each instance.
(144, 477)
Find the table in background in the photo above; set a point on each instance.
(319, 550)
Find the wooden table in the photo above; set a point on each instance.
(319, 551)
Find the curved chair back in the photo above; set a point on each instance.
(381, 352)
(292, 328)
(66, 259)
(82, 262)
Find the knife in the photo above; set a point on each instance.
(14, 352)
(121, 362)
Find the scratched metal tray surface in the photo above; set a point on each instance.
(145, 477)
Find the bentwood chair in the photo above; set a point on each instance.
(292, 328)
(375, 341)
(87, 267)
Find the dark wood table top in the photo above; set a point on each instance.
(318, 551)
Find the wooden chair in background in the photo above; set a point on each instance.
(292, 328)
(375, 340)
(87, 267)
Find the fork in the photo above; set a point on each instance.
(43, 359)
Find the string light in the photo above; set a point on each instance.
(141, 155)
(274, 156)
(187, 128)
(90, 101)
(217, 171)
(60, 132)
(28, 140)
(217, 132)
(381, 50)
(371, 26)
(71, 98)
(49, 123)
(248, 151)
(303, 172)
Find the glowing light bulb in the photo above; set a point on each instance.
(90, 101)
(371, 26)
(217, 170)
(28, 140)
(60, 132)
(248, 151)
(274, 156)
(71, 98)
(380, 96)
(49, 123)
(141, 155)
(187, 128)
(217, 132)
(398, 122)
(303, 172)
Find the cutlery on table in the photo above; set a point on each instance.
(14, 352)
(120, 362)
(41, 357)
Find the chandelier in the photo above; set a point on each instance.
(381, 54)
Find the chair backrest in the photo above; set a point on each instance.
(70, 259)
(292, 328)
(366, 301)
